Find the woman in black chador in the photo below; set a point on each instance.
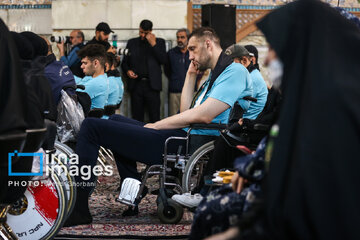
(313, 183)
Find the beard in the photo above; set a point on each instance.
(89, 71)
(102, 39)
(181, 45)
(204, 61)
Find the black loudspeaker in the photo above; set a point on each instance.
(222, 18)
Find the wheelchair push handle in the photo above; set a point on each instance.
(74, 87)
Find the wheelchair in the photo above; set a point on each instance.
(191, 163)
(44, 200)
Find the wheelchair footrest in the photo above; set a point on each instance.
(129, 192)
(125, 201)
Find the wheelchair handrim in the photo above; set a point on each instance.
(204, 149)
(67, 179)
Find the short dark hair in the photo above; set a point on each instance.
(184, 30)
(146, 25)
(110, 59)
(93, 51)
(206, 32)
(80, 34)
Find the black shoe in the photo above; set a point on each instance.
(133, 211)
(81, 214)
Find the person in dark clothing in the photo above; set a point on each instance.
(71, 59)
(34, 114)
(143, 68)
(15, 110)
(34, 75)
(313, 168)
(12, 86)
(176, 68)
(314, 165)
(102, 32)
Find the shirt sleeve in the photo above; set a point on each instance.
(230, 84)
(72, 58)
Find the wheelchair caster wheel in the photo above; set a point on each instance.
(170, 214)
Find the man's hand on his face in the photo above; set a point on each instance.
(150, 37)
(193, 68)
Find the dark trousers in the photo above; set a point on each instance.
(223, 157)
(126, 138)
(144, 97)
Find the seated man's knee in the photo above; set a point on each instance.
(88, 125)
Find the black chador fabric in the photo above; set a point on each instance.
(12, 85)
(34, 114)
(313, 184)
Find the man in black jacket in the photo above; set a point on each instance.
(102, 32)
(143, 68)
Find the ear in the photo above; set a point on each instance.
(96, 62)
(208, 43)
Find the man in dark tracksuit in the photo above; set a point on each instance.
(143, 68)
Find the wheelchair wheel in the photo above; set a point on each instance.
(195, 166)
(170, 214)
(40, 213)
(63, 148)
(67, 180)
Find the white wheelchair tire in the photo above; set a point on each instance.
(42, 218)
(67, 179)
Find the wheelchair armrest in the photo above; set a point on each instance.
(69, 87)
(82, 87)
(216, 126)
(96, 112)
(261, 127)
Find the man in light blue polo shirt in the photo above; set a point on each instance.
(260, 88)
(114, 90)
(96, 83)
(251, 110)
(230, 86)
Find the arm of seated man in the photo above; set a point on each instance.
(187, 92)
(204, 113)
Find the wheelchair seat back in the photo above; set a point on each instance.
(196, 141)
(34, 139)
